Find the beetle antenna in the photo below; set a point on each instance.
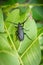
(13, 23)
(25, 20)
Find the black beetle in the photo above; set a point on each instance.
(20, 30)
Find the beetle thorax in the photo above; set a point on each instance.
(19, 26)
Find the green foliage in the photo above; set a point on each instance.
(30, 46)
(7, 2)
(7, 55)
(37, 13)
(36, 1)
(12, 50)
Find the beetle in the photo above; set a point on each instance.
(20, 30)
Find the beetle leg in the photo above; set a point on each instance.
(26, 29)
(15, 26)
(27, 36)
(13, 23)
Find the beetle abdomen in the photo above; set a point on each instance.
(21, 35)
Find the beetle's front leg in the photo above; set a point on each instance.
(13, 23)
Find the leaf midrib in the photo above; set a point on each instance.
(31, 45)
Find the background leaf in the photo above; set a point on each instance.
(36, 2)
(1, 22)
(27, 49)
(8, 56)
(37, 12)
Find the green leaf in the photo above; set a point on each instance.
(13, 16)
(36, 2)
(1, 22)
(40, 24)
(21, 1)
(41, 63)
(7, 2)
(40, 28)
(5, 53)
(29, 50)
(3, 40)
(31, 26)
(23, 10)
(8, 56)
(37, 12)
(10, 2)
(31, 56)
